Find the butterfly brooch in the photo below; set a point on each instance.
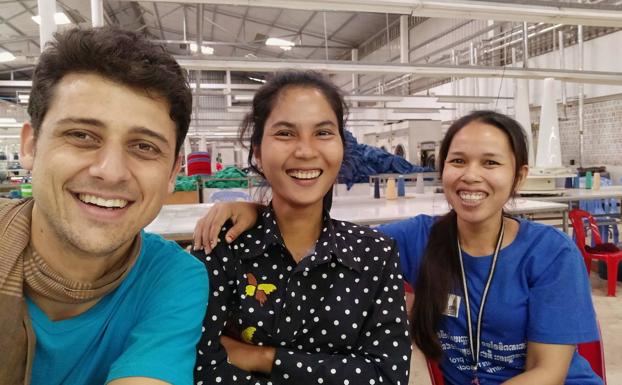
(259, 291)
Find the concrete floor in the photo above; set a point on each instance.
(609, 311)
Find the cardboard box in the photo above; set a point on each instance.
(182, 197)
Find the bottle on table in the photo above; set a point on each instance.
(401, 186)
(596, 181)
(420, 185)
(377, 188)
(391, 192)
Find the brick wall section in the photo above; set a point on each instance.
(602, 140)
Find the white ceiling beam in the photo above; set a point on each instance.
(419, 70)
(15, 83)
(461, 9)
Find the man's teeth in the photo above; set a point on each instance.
(109, 203)
(311, 174)
(472, 196)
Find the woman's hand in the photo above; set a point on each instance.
(250, 358)
(242, 214)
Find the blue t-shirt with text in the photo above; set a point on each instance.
(146, 327)
(540, 293)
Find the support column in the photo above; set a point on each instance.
(404, 39)
(562, 63)
(525, 45)
(47, 9)
(228, 97)
(97, 13)
(199, 28)
(581, 118)
(203, 144)
(355, 76)
(454, 84)
(187, 151)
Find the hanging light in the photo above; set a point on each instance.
(283, 44)
(6, 56)
(59, 19)
(205, 50)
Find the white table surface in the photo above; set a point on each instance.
(578, 194)
(177, 221)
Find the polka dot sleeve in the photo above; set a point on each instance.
(211, 366)
(381, 354)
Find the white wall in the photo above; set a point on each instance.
(603, 120)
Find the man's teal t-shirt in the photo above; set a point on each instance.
(147, 327)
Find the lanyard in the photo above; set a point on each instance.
(475, 342)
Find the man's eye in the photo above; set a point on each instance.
(81, 137)
(146, 148)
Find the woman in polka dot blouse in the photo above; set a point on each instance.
(300, 298)
(499, 300)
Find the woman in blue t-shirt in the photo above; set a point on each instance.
(499, 300)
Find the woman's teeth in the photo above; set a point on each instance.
(310, 174)
(472, 196)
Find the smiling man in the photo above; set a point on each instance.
(87, 297)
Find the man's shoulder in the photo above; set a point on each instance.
(7, 202)
(164, 270)
(167, 255)
(6, 205)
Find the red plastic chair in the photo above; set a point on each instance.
(593, 352)
(607, 252)
(436, 376)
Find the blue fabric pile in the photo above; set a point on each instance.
(360, 161)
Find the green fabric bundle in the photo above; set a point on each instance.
(227, 173)
(186, 183)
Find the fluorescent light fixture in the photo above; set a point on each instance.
(418, 110)
(235, 109)
(59, 19)
(205, 50)
(233, 130)
(202, 86)
(6, 56)
(7, 120)
(465, 99)
(285, 45)
(257, 79)
(373, 98)
(243, 98)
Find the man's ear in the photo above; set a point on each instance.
(27, 146)
(174, 172)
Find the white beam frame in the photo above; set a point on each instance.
(461, 9)
(419, 70)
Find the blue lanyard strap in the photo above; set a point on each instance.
(475, 342)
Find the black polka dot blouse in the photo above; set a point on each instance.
(337, 317)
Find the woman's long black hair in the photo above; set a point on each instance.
(440, 269)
